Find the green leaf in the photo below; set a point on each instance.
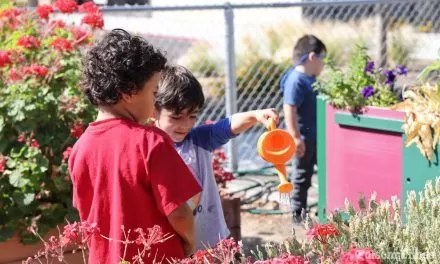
(10, 163)
(16, 179)
(6, 233)
(2, 123)
(28, 198)
(23, 199)
(16, 110)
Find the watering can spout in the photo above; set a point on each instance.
(285, 186)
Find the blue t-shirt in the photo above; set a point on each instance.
(298, 91)
(196, 150)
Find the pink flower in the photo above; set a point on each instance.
(80, 35)
(155, 236)
(283, 259)
(57, 23)
(66, 6)
(14, 75)
(66, 153)
(94, 20)
(22, 137)
(2, 163)
(29, 42)
(44, 11)
(359, 256)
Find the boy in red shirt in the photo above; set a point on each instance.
(125, 173)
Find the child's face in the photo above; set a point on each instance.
(176, 125)
(141, 104)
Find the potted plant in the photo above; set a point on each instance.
(42, 114)
(361, 143)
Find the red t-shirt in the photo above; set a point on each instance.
(126, 174)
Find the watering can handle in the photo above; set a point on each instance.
(272, 124)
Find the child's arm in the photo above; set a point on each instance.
(182, 221)
(240, 122)
(213, 136)
(173, 185)
(291, 119)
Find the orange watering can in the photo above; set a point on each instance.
(278, 147)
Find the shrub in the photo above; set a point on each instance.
(42, 113)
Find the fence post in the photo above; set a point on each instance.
(382, 29)
(230, 89)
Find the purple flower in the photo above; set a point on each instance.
(369, 67)
(390, 77)
(401, 70)
(367, 92)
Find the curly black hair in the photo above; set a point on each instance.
(178, 90)
(120, 63)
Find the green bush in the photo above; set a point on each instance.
(42, 114)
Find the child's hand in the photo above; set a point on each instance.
(262, 116)
(188, 249)
(300, 147)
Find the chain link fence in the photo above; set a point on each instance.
(239, 51)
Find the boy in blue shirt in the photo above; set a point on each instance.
(178, 101)
(299, 105)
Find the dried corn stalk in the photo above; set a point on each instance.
(422, 121)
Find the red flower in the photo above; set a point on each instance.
(10, 13)
(28, 42)
(66, 6)
(39, 70)
(88, 7)
(14, 75)
(2, 163)
(77, 130)
(61, 44)
(5, 59)
(35, 69)
(203, 256)
(94, 20)
(220, 174)
(66, 153)
(10, 16)
(34, 143)
(359, 256)
(44, 11)
(322, 232)
(57, 23)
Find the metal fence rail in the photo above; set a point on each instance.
(239, 51)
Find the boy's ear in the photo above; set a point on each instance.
(312, 56)
(127, 97)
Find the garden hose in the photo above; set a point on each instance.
(266, 188)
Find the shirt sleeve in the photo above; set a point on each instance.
(172, 182)
(213, 136)
(293, 94)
